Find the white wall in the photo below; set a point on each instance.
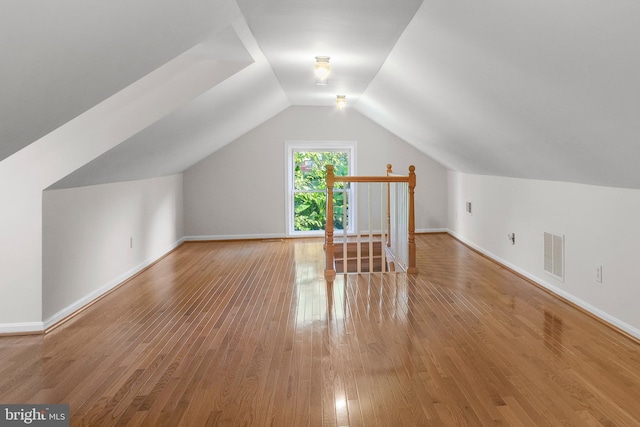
(600, 225)
(86, 238)
(239, 191)
(25, 174)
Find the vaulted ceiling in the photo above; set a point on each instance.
(541, 90)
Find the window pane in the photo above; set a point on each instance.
(338, 211)
(309, 211)
(307, 180)
(309, 168)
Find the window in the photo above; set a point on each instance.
(306, 195)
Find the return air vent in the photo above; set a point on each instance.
(554, 255)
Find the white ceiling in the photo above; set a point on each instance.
(530, 89)
(357, 35)
(543, 90)
(60, 58)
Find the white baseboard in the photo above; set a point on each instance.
(233, 237)
(21, 328)
(604, 316)
(79, 304)
(282, 236)
(432, 230)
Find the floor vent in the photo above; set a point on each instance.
(554, 255)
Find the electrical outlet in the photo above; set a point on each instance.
(599, 273)
(512, 238)
(131, 242)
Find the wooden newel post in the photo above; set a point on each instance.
(413, 268)
(330, 270)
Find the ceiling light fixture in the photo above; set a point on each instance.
(322, 69)
(341, 101)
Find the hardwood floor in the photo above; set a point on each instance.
(249, 333)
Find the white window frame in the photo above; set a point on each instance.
(290, 148)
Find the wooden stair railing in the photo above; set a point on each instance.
(330, 246)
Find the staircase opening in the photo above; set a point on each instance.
(367, 252)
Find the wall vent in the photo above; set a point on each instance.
(554, 255)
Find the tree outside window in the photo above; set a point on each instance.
(310, 199)
(307, 185)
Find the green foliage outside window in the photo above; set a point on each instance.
(310, 201)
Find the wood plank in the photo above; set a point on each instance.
(250, 333)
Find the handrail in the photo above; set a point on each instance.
(394, 178)
(332, 179)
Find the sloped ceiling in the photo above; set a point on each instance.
(282, 37)
(200, 127)
(60, 58)
(541, 90)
